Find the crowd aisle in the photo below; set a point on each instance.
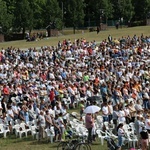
(42, 84)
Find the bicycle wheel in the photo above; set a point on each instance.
(61, 146)
(83, 146)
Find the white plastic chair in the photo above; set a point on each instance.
(131, 139)
(101, 135)
(33, 131)
(50, 133)
(4, 130)
(24, 127)
(19, 130)
(1, 128)
(110, 134)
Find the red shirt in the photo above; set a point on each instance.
(52, 95)
(6, 91)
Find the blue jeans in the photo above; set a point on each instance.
(145, 104)
(119, 140)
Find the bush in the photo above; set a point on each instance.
(138, 23)
(92, 29)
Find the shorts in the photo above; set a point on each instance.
(144, 142)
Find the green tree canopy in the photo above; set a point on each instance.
(74, 13)
(5, 18)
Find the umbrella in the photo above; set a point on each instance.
(92, 109)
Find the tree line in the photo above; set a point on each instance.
(22, 15)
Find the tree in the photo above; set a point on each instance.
(98, 9)
(51, 13)
(74, 15)
(123, 9)
(5, 18)
(23, 16)
(36, 10)
(141, 9)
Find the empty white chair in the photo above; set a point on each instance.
(25, 127)
(101, 135)
(4, 130)
(19, 130)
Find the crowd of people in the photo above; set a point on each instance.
(37, 83)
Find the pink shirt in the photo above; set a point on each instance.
(88, 121)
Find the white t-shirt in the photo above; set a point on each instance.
(121, 116)
(127, 111)
(105, 110)
(15, 109)
(120, 131)
(146, 124)
(60, 120)
(138, 107)
(10, 112)
(42, 120)
(64, 111)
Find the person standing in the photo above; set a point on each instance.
(144, 138)
(147, 123)
(41, 122)
(62, 126)
(110, 110)
(105, 112)
(89, 125)
(52, 97)
(98, 29)
(121, 133)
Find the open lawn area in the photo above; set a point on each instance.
(90, 36)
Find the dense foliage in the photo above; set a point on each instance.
(22, 15)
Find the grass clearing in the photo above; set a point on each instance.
(90, 36)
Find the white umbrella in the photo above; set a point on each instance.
(92, 109)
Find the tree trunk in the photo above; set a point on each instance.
(23, 32)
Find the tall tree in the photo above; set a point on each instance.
(74, 15)
(141, 9)
(122, 9)
(51, 13)
(36, 10)
(5, 18)
(23, 16)
(98, 9)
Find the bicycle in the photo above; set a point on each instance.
(75, 144)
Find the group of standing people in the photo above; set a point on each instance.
(35, 81)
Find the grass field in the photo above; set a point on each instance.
(90, 36)
(28, 143)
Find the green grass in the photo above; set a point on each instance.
(13, 143)
(90, 36)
